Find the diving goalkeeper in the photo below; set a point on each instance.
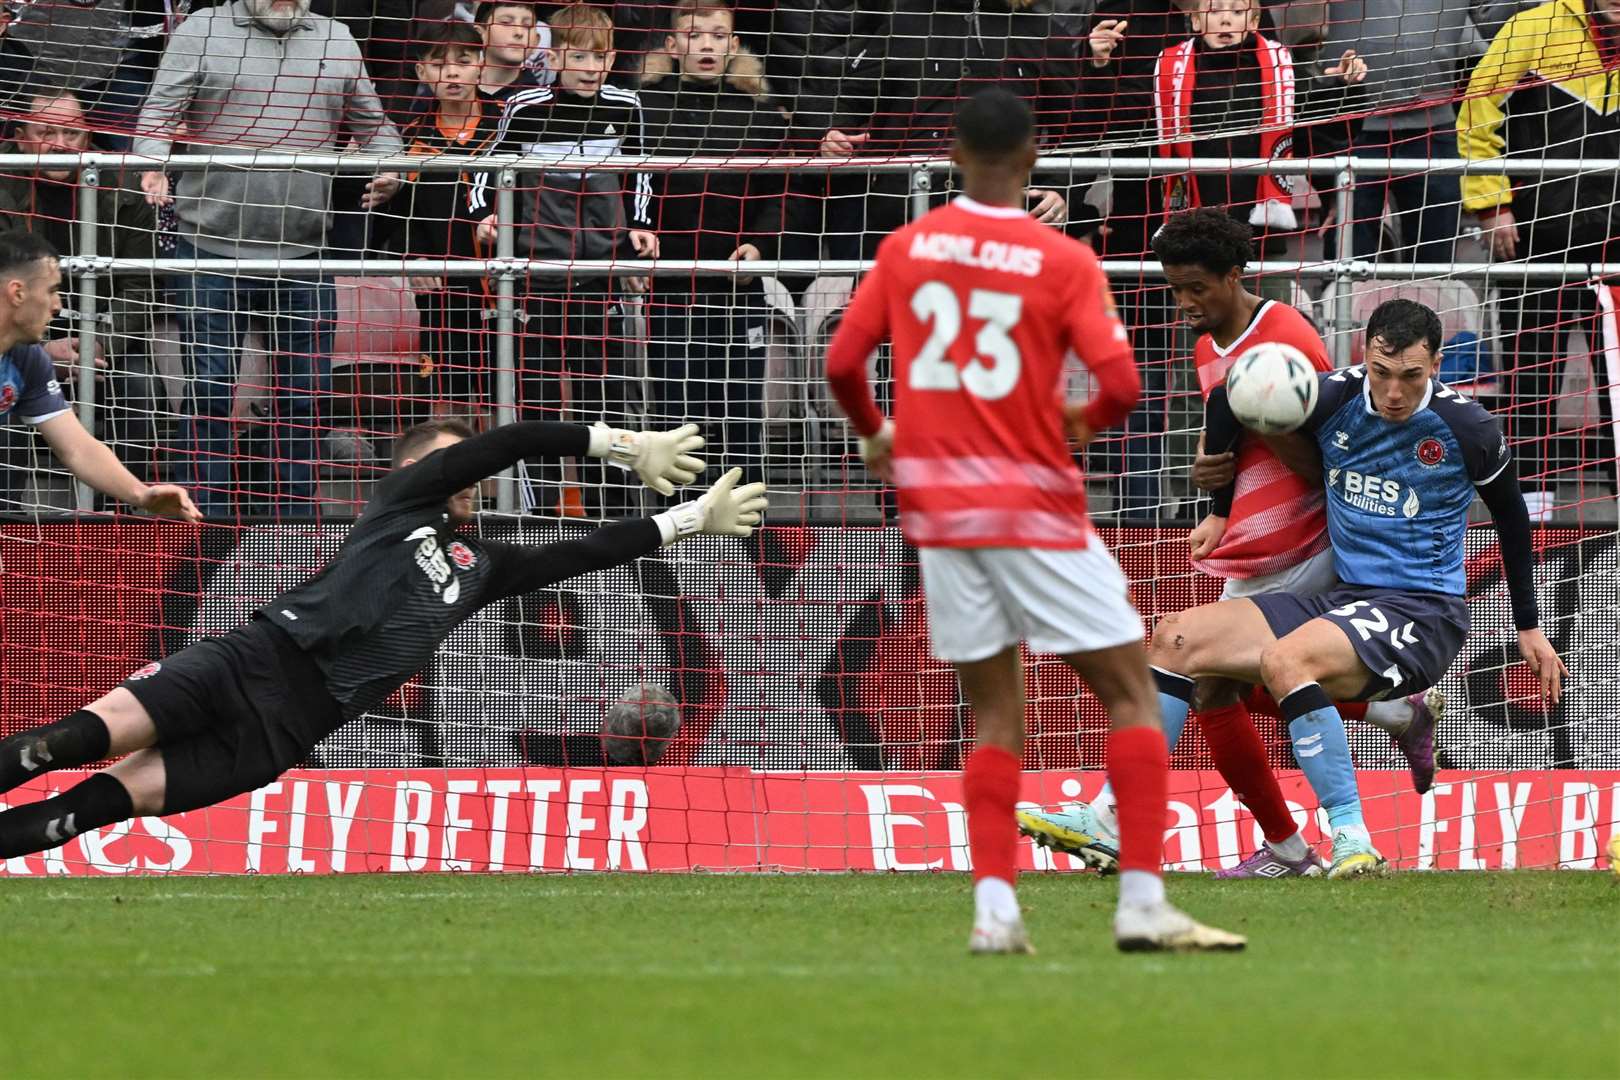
(231, 713)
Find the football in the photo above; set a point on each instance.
(638, 727)
(1272, 388)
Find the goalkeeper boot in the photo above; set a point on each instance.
(994, 934)
(1354, 855)
(1416, 743)
(1162, 927)
(1080, 832)
(1266, 863)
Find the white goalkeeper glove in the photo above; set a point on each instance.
(661, 458)
(724, 510)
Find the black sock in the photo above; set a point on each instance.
(99, 800)
(77, 740)
(1303, 700)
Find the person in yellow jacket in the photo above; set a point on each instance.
(1548, 87)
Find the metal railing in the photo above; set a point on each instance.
(504, 268)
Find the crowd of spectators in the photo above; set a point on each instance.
(828, 79)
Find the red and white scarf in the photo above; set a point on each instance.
(1174, 78)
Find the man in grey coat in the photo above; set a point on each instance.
(259, 75)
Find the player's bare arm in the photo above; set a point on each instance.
(30, 297)
(92, 461)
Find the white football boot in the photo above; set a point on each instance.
(994, 934)
(1162, 927)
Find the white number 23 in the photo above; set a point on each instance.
(936, 302)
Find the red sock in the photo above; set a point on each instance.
(1352, 710)
(1139, 770)
(990, 779)
(1241, 758)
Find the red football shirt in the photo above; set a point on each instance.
(983, 305)
(1278, 518)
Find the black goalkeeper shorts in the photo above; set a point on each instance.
(233, 712)
(1407, 639)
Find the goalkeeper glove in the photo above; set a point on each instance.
(661, 458)
(724, 510)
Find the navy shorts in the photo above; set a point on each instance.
(1407, 639)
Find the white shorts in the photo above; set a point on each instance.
(983, 600)
(1314, 576)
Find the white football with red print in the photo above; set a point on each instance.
(1272, 388)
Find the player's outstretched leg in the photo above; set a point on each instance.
(75, 740)
(90, 804)
(1289, 668)
(994, 687)
(132, 787)
(111, 726)
(1138, 769)
(114, 725)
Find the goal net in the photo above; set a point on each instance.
(287, 238)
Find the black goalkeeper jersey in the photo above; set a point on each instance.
(405, 578)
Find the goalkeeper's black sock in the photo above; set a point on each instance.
(99, 800)
(77, 740)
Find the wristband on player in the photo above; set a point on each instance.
(679, 522)
(619, 446)
(723, 510)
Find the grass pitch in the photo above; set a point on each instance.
(1420, 975)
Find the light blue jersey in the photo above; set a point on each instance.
(1398, 493)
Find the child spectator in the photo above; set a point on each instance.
(429, 219)
(511, 33)
(707, 347)
(1232, 78)
(574, 325)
